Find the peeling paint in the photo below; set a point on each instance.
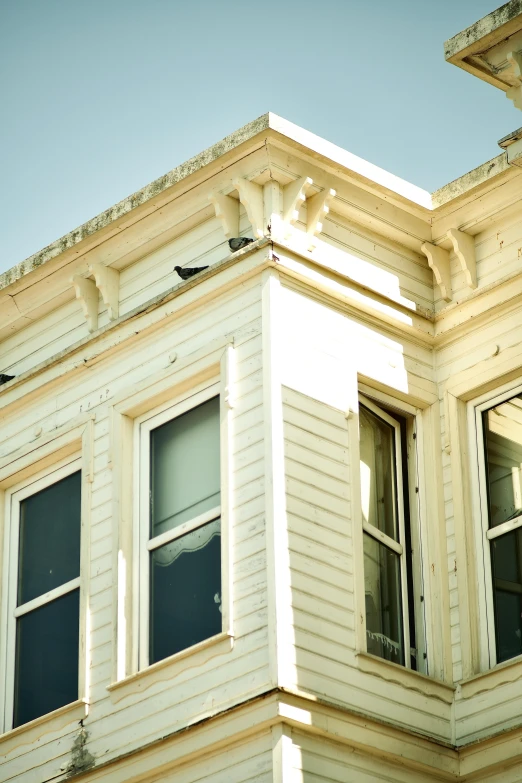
(81, 758)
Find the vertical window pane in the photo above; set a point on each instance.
(383, 601)
(49, 551)
(503, 440)
(506, 559)
(46, 672)
(185, 585)
(185, 471)
(378, 474)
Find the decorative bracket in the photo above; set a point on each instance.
(317, 208)
(464, 247)
(227, 211)
(294, 195)
(251, 196)
(86, 291)
(108, 283)
(439, 262)
(515, 93)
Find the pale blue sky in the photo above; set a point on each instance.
(99, 97)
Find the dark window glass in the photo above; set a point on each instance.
(185, 585)
(503, 442)
(185, 470)
(506, 559)
(46, 672)
(382, 586)
(49, 551)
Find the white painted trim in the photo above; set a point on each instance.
(207, 373)
(9, 611)
(415, 518)
(505, 527)
(480, 511)
(144, 425)
(279, 594)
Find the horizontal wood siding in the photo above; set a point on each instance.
(211, 682)
(321, 642)
(315, 760)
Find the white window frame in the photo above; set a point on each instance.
(409, 414)
(13, 498)
(144, 545)
(485, 534)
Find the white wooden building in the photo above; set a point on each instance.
(265, 524)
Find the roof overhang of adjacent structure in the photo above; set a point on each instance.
(492, 49)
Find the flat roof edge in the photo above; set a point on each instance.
(138, 198)
(488, 25)
(472, 179)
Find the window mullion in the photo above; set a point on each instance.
(186, 527)
(46, 598)
(382, 538)
(505, 527)
(486, 552)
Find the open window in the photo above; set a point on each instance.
(180, 562)
(391, 552)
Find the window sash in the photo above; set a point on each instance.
(13, 500)
(186, 527)
(489, 534)
(397, 546)
(144, 543)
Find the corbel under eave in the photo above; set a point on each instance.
(86, 291)
(251, 196)
(317, 208)
(227, 212)
(439, 262)
(515, 93)
(108, 282)
(464, 247)
(294, 195)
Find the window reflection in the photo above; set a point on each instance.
(378, 475)
(503, 441)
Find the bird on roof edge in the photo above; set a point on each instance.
(238, 243)
(5, 378)
(187, 273)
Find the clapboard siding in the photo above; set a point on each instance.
(229, 677)
(462, 356)
(245, 762)
(315, 760)
(498, 254)
(143, 280)
(321, 643)
(410, 271)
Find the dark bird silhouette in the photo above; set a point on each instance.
(237, 243)
(4, 378)
(186, 274)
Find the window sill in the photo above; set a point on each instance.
(54, 721)
(169, 667)
(406, 678)
(501, 674)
